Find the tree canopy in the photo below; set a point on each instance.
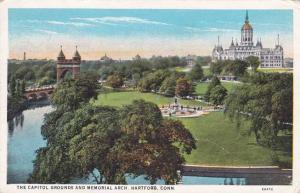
(196, 73)
(267, 101)
(108, 143)
(214, 82)
(115, 81)
(217, 95)
(183, 87)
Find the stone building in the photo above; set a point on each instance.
(269, 57)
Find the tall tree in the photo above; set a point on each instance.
(217, 67)
(70, 94)
(253, 62)
(12, 86)
(115, 81)
(196, 73)
(168, 86)
(218, 95)
(267, 101)
(214, 82)
(183, 87)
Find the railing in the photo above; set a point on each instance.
(45, 87)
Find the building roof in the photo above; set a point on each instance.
(61, 53)
(247, 25)
(76, 54)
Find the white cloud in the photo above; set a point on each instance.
(114, 20)
(47, 32)
(93, 20)
(76, 24)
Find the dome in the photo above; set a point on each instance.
(247, 26)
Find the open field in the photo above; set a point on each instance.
(122, 98)
(274, 70)
(219, 142)
(202, 87)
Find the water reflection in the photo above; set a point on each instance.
(17, 121)
(23, 140)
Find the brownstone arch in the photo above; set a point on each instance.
(67, 65)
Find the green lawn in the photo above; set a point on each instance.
(180, 69)
(219, 142)
(122, 98)
(202, 87)
(274, 70)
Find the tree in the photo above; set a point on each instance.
(253, 62)
(153, 81)
(12, 86)
(109, 143)
(149, 146)
(115, 81)
(216, 67)
(236, 67)
(70, 94)
(183, 87)
(22, 87)
(266, 101)
(168, 86)
(217, 95)
(214, 82)
(196, 73)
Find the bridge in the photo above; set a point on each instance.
(36, 93)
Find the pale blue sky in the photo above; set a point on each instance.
(122, 33)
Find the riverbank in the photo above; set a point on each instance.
(15, 106)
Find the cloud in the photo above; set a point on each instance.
(76, 24)
(47, 32)
(193, 29)
(93, 20)
(118, 20)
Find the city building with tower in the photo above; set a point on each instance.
(268, 57)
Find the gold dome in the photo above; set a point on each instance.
(247, 26)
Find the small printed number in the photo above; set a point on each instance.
(267, 189)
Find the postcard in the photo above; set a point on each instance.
(149, 96)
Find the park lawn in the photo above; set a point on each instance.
(274, 70)
(202, 87)
(124, 98)
(220, 142)
(180, 69)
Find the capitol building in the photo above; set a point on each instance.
(268, 57)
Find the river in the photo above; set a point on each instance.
(24, 138)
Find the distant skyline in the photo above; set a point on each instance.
(123, 33)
